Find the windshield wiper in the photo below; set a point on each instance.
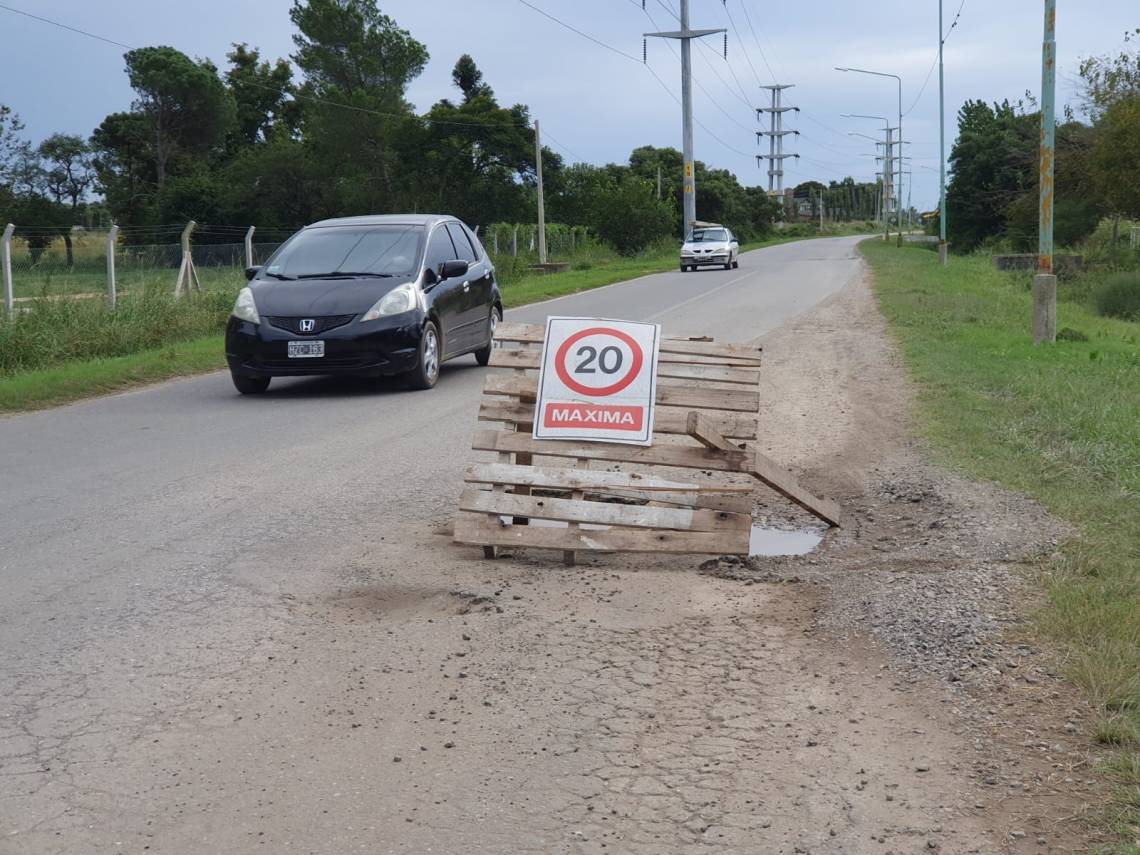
(280, 276)
(346, 274)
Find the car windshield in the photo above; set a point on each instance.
(383, 251)
(706, 235)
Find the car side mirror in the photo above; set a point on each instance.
(250, 272)
(451, 269)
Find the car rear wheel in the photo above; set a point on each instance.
(483, 355)
(736, 264)
(426, 372)
(249, 385)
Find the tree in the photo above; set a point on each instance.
(1116, 159)
(14, 149)
(1108, 79)
(68, 171)
(467, 76)
(187, 109)
(262, 94)
(125, 166)
(358, 63)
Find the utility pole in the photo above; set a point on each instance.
(821, 211)
(685, 35)
(776, 134)
(943, 249)
(1045, 283)
(659, 181)
(541, 205)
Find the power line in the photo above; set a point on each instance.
(934, 62)
(756, 38)
(579, 32)
(743, 49)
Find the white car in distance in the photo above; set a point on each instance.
(709, 245)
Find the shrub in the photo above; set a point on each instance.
(1119, 296)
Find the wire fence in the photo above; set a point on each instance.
(151, 258)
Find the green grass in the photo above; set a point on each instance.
(49, 387)
(1060, 423)
(64, 350)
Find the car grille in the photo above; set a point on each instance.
(321, 324)
(317, 363)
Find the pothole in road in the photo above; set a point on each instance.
(778, 541)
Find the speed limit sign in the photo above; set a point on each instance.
(597, 381)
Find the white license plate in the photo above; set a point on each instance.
(306, 349)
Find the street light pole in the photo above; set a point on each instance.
(887, 177)
(898, 201)
(943, 253)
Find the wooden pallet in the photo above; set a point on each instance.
(688, 492)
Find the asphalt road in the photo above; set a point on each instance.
(145, 536)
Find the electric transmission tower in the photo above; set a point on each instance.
(775, 133)
(685, 35)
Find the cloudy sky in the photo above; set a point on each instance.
(595, 104)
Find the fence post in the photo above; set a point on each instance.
(112, 291)
(6, 263)
(495, 241)
(249, 246)
(515, 242)
(187, 275)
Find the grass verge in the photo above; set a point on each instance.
(1060, 423)
(61, 384)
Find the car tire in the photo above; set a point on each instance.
(684, 269)
(736, 264)
(728, 265)
(426, 372)
(248, 385)
(483, 355)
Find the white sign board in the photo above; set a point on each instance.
(597, 381)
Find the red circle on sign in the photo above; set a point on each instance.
(598, 391)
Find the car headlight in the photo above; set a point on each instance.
(245, 308)
(397, 301)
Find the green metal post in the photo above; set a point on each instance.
(1045, 283)
(943, 255)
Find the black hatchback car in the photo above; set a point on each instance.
(368, 296)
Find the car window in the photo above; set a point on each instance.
(703, 235)
(463, 247)
(439, 250)
(388, 250)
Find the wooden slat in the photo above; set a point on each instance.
(535, 333)
(698, 428)
(678, 456)
(704, 398)
(666, 420)
(511, 358)
(480, 530)
(587, 479)
(601, 513)
(784, 483)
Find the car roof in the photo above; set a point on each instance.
(386, 220)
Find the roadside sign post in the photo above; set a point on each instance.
(597, 381)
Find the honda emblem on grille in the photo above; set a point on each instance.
(307, 325)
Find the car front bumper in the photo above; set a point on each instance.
(695, 260)
(373, 349)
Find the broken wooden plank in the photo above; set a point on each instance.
(677, 456)
(480, 530)
(698, 397)
(699, 428)
(666, 420)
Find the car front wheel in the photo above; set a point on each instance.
(249, 385)
(426, 372)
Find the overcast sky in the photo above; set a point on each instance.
(594, 104)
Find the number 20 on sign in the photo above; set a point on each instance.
(597, 381)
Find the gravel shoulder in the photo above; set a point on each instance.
(880, 695)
